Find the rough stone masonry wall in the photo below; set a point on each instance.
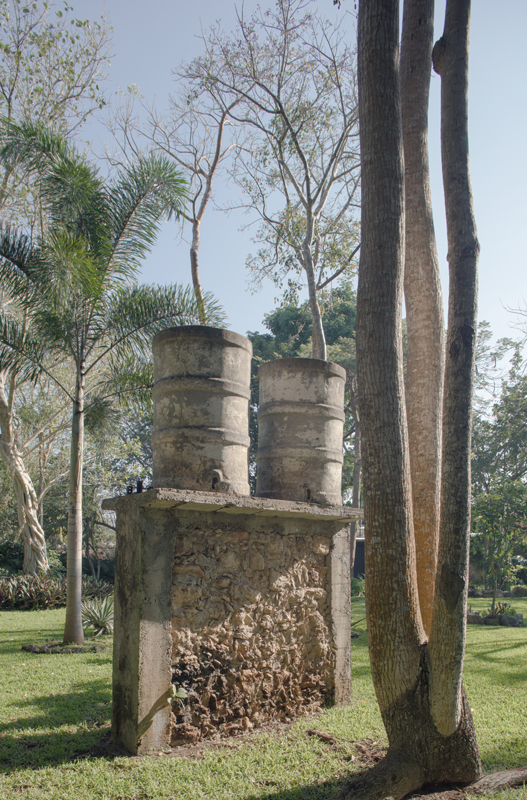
(251, 625)
(242, 602)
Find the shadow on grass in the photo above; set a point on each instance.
(319, 791)
(497, 669)
(62, 727)
(507, 754)
(87, 702)
(51, 748)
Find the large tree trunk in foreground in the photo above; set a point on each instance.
(424, 306)
(73, 631)
(35, 553)
(423, 744)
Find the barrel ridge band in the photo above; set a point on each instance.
(299, 452)
(275, 407)
(199, 383)
(199, 434)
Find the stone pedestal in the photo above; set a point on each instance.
(243, 603)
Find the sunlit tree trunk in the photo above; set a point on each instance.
(73, 631)
(423, 299)
(35, 553)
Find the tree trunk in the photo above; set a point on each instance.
(35, 553)
(447, 640)
(424, 306)
(73, 631)
(319, 337)
(404, 674)
(357, 467)
(41, 461)
(194, 268)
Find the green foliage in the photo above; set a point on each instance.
(28, 593)
(499, 469)
(11, 557)
(357, 586)
(500, 515)
(52, 66)
(98, 614)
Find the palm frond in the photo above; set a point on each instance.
(133, 314)
(24, 352)
(16, 246)
(69, 186)
(102, 415)
(74, 197)
(128, 380)
(29, 145)
(148, 191)
(17, 256)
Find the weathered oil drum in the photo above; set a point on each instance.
(201, 409)
(300, 430)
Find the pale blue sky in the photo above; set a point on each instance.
(150, 40)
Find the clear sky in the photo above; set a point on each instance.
(149, 40)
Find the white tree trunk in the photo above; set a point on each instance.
(35, 553)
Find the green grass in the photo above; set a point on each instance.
(55, 708)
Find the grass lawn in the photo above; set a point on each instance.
(55, 708)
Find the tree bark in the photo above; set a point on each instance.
(405, 676)
(73, 631)
(35, 553)
(194, 269)
(357, 467)
(424, 305)
(319, 337)
(447, 640)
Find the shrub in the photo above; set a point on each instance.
(98, 614)
(357, 586)
(11, 557)
(25, 592)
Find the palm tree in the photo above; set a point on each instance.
(75, 283)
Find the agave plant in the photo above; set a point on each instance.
(98, 614)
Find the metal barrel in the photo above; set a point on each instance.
(201, 409)
(300, 430)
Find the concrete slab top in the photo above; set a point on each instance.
(223, 503)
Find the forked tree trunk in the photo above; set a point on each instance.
(422, 748)
(424, 305)
(35, 553)
(73, 631)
